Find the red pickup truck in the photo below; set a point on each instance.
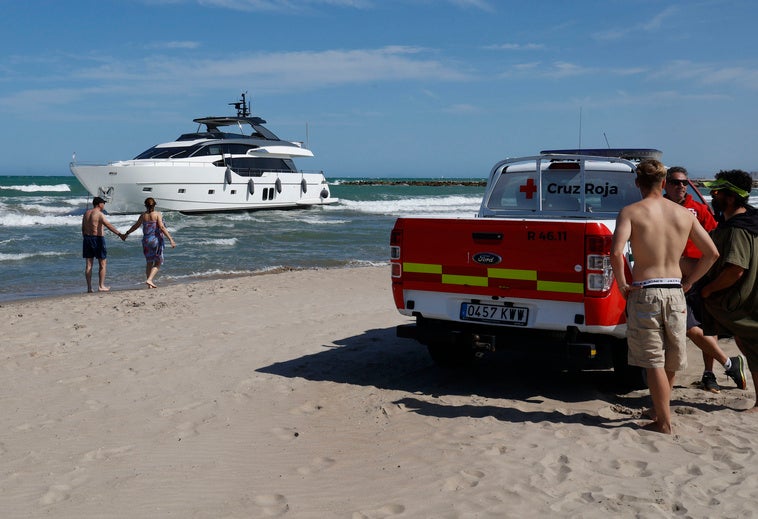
(531, 271)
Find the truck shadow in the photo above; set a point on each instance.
(380, 359)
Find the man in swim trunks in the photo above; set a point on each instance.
(731, 290)
(658, 230)
(93, 242)
(676, 191)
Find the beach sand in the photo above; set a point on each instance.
(288, 395)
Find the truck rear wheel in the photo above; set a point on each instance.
(628, 377)
(451, 356)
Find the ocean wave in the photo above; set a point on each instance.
(26, 255)
(32, 188)
(228, 242)
(448, 206)
(32, 220)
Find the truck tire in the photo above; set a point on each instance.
(628, 377)
(451, 356)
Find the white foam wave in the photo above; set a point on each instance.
(33, 188)
(31, 220)
(445, 206)
(39, 208)
(228, 242)
(27, 255)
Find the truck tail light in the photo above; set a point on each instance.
(396, 238)
(597, 250)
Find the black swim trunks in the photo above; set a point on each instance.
(94, 247)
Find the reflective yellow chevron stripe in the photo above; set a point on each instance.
(524, 275)
(424, 268)
(475, 281)
(495, 273)
(560, 286)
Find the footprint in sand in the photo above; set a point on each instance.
(62, 491)
(380, 513)
(106, 454)
(272, 505)
(316, 465)
(464, 479)
(631, 468)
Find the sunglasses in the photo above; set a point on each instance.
(676, 182)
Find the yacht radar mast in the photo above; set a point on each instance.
(242, 107)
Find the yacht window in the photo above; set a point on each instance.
(211, 191)
(147, 189)
(167, 153)
(256, 166)
(181, 190)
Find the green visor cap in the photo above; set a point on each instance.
(725, 184)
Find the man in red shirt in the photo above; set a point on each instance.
(676, 191)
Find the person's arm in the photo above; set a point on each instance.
(704, 243)
(618, 262)
(164, 230)
(110, 227)
(726, 278)
(136, 225)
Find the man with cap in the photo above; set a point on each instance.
(730, 290)
(93, 242)
(676, 191)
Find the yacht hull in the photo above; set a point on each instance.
(199, 187)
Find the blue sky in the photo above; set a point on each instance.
(425, 88)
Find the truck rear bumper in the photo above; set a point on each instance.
(568, 346)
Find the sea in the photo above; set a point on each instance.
(41, 249)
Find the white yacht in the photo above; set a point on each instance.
(227, 164)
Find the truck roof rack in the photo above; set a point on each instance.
(622, 153)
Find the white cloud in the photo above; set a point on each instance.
(515, 46)
(174, 45)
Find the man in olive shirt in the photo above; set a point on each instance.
(730, 293)
(93, 242)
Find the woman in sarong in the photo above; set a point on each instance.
(153, 231)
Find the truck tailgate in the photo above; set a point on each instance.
(515, 258)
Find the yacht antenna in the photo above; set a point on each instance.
(242, 107)
(580, 127)
(606, 140)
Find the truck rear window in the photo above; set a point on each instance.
(562, 191)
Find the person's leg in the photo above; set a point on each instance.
(660, 382)
(708, 345)
(101, 273)
(753, 371)
(88, 272)
(152, 271)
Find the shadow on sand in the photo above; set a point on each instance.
(378, 358)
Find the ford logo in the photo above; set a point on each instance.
(487, 258)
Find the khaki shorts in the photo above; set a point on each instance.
(657, 328)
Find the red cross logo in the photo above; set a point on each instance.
(529, 188)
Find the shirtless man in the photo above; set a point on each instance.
(658, 230)
(93, 241)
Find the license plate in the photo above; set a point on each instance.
(512, 315)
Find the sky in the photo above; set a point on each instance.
(383, 88)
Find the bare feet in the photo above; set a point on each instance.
(657, 427)
(150, 284)
(89, 291)
(103, 289)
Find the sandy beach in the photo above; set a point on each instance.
(288, 395)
